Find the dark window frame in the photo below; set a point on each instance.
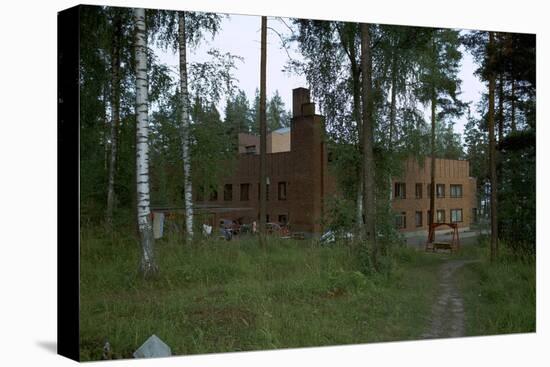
(416, 218)
(403, 223)
(400, 190)
(461, 215)
(228, 192)
(461, 191)
(281, 184)
(266, 192)
(437, 215)
(437, 195)
(418, 190)
(247, 191)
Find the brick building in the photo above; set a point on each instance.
(298, 181)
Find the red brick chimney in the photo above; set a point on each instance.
(306, 147)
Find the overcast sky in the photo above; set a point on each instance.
(240, 35)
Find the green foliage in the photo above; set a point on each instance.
(212, 79)
(276, 114)
(339, 215)
(212, 154)
(517, 193)
(499, 297)
(163, 25)
(514, 63)
(238, 116)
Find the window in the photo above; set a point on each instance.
(250, 149)
(267, 218)
(418, 219)
(283, 219)
(228, 192)
(282, 191)
(456, 215)
(213, 194)
(244, 191)
(266, 192)
(401, 220)
(418, 190)
(400, 190)
(440, 216)
(440, 190)
(456, 191)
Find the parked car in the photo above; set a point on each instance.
(229, 225)
(330, 237)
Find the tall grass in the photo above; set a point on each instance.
(218, 296)
(499, 297)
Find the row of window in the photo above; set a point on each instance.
(401, 218)
(244, 192)
(400, 190)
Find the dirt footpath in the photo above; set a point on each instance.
(447, 315)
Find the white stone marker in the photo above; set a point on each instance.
(153, 348)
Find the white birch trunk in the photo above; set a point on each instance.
(184, 126)
(148, 267)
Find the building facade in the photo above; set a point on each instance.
(299, 182)
(455, 194)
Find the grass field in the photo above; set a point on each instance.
(234, 296)
(501, 297)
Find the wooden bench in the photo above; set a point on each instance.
(440, 246)
(433, 245)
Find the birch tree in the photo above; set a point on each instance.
(187, 185)
(181, 30)
(148, 267)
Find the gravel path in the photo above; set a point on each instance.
(447, 318)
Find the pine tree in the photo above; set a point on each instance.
(439, 87)
(263, 131)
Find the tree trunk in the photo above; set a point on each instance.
(184, 129)
(356, 80)
(356, 88)
(513, 106)
(148, 267)
(433, 155)
(115, 117)
(432, 167)
(368, 142)
(393, 99)
(500, 107)
(263, 131)
(492, 150)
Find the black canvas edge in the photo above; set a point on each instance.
(68, 193)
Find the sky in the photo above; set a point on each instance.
(240, 35)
